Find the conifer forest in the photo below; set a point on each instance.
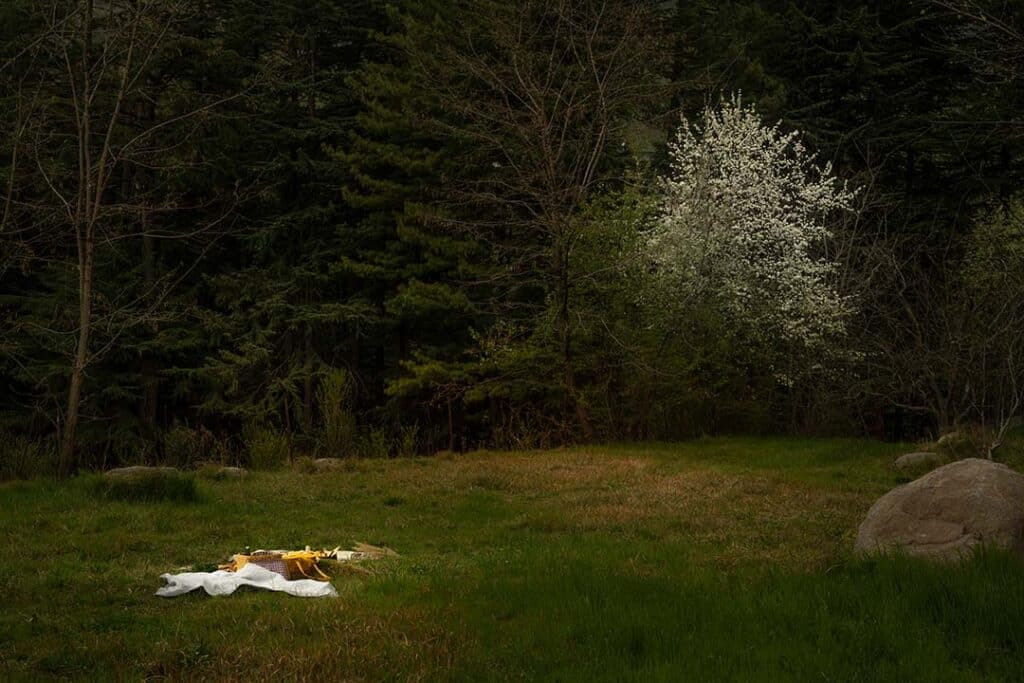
(354, 227)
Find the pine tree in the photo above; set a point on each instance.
(409, 267)
(283, 312)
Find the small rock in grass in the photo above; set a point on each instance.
(965, 443)
(329, 464)
(949, 512)
(138, 470)
(916, 462)
(233, 472)
(949, 438)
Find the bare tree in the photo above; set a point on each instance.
(993, 281)
(988, 37)
(88, 123)
(949, 333)
(539, 94)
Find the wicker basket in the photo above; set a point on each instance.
(274, 562)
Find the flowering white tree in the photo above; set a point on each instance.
(744, 225)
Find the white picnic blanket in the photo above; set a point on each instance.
(225, 583)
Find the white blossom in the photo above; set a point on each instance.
(745, 218)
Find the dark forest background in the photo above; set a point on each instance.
(338, 227)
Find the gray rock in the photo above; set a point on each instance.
(963, 444)
(950, 439)
(233, 472)
(948, 512)
(329, 464)
(138, 470)
(916, 462)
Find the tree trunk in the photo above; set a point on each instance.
(910, 173)
(85, 244)
(565, 339)
(150, 378)
(286, 414)
(451, 427)
(150, 365)
(307, 388)
(68, 437)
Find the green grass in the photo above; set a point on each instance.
(148, 487)
(724, 559)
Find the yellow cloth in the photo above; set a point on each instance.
(302, 562)
(305, 561)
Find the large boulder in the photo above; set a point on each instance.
(948, 512)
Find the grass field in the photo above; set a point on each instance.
(711, 560)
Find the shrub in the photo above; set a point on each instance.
(182, 446)
(968, 441)
(408, 441)
(185, 448)
(24, 458)
(267, 449)
(375, 443)
(306, 465)
(336, 398)
(211, 471)
(148, 487)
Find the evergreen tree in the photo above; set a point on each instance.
(284, 312)
(411, 268)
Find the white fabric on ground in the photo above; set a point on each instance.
(225, 583)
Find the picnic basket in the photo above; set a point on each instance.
(299, 564)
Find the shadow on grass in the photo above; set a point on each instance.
(149, 487)
(648, 620)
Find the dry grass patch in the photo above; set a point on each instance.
(755, 516)
(742, 518)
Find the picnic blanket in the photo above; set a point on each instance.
(225, 583)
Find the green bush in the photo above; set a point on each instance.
(185, 448)
(182, 447)
(336, 398)
(375, 443)
(147, 487)
(24, 458)
(968, 441)
(266, 449)
(211, 471)
(306, 465)
(408, 441)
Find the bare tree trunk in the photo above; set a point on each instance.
(286, 413)
(565, 343)
(150, 379)
(451, 427)
(107, 61)
(307, 383)
(12, 173)
(68, 437)
(85, 244)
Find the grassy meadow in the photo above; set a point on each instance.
(718, 559)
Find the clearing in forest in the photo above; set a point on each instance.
(710, 560)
